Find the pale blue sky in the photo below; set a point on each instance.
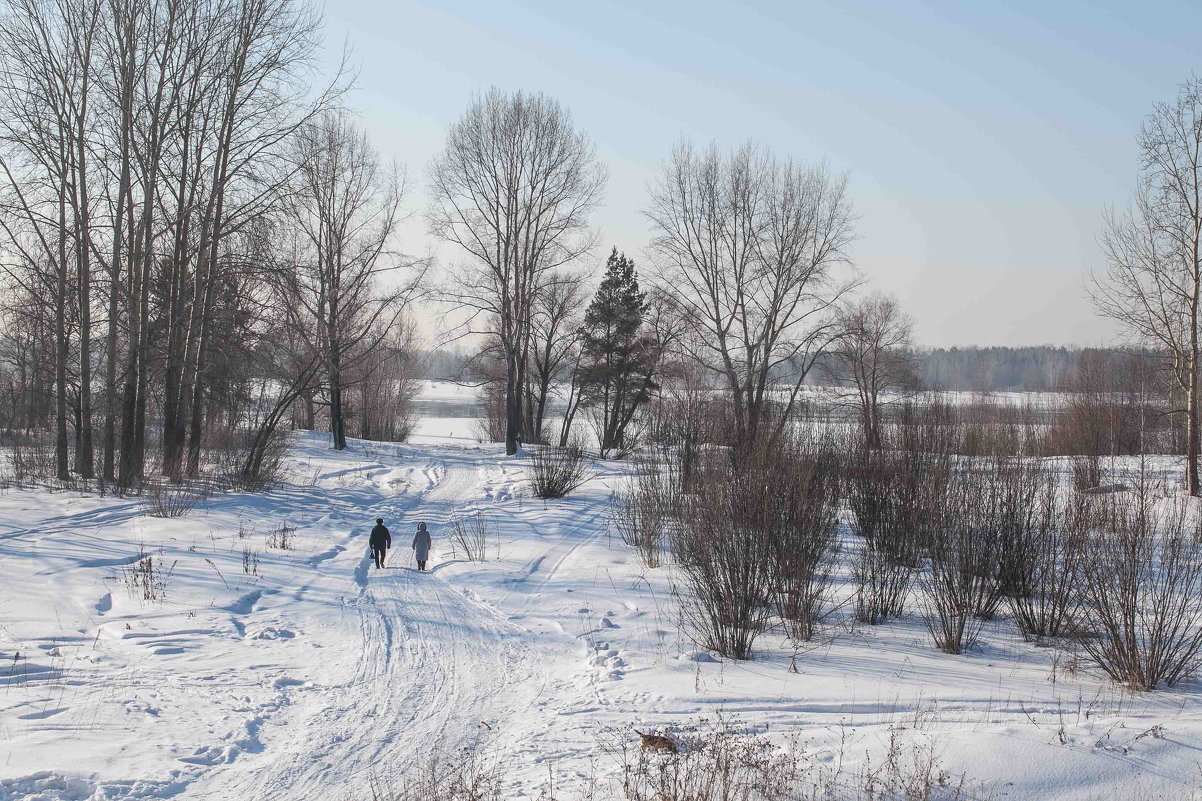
(983, 140)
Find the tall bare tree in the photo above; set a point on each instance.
(747, 245)
(513, 188)
(1153, 282)
(554, 335)
(872, 351)
(47, 49)
(346, 207)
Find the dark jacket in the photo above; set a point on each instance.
(380, 538)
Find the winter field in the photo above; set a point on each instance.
(249, 651)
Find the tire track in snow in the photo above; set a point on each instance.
(434, 668)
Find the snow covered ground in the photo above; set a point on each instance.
(261, 672)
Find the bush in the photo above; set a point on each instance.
(754, 531)
(490, 425)
(470, 536)
(1044, 566)
(556, 472)
(726, 561)
(1141, 578)
(167, 499)
(255, 461)
(895, 495)
(462, 776)
(802, 492)
(643, 508)
(963, 563)
(281, 537)
(147, 578)
(726, 762)
(882, 583)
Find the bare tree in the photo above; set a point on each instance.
(346, 207)
(872, 351)
(554, 342)
(513, 187)
(1153, 283)
(45, 88)
(140, 139)
(747, 245)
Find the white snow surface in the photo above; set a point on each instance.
(315, 674)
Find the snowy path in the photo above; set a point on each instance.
(436, 670)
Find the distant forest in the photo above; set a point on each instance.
(1043, 368)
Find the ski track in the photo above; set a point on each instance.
(436, 670)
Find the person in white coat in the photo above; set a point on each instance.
(421, 546)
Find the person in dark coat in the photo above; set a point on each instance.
(381, 541)
(421, 546)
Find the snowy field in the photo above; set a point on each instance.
(263, 672)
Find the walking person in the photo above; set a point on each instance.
(380, 541)
(421, 546)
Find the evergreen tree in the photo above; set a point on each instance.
(617, 372)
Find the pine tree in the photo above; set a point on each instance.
(617, 373)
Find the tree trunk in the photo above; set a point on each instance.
(1191, 433)
(513, 404)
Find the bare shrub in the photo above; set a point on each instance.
(470, 536)
(147, 578)
(882, 583)
(167, 499)
(894, 496)
(726, 571)
(753, 530)
(643, 508)
(1087, 472)
(250, 561)
(490, 425)
(1043, 570)
(802, 493)
(963, 564)
(281, 537)
(1141, 579)
(32, 459)
(454, 776)
(556, 472)
(254, 461)
(683, 416)
(725, 761)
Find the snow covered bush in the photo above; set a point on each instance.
(556, 472)
(1141, 578)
